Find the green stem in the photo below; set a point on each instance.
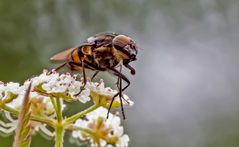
(80, 114)
(59, 135)
(57, 106)
(49, 122)
(53, 103)
(11, 110)
(59, 110)
(76, 128)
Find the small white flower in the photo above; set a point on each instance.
(56, 83)
(13, 88)
(84, 96)
(100, 89)
(16, 103)
(123, 141)
(43, 78)
(75, 88)
(10, 92)
(108, 131)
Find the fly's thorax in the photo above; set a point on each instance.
(103, 57)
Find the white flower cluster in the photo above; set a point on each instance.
(61, 83)
(41, 105)
(48, 86)
(19, 91)
(67, 83)
(58, 83)
(100, 89)
(14, 88)
(109, 131)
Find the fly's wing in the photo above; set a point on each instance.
(62, 56)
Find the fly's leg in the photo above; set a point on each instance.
(121, 77)
(118, 79)
(94, 75)
(118, 86)
(84, 80)
(132, 70)
(121, 97)
(57, 68)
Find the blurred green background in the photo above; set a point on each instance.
(186, 89)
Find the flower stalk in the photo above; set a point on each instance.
(15, 112)
(59, 135)
(80, 114)
(59, 110)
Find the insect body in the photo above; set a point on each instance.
(102, 52)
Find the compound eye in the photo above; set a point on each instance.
(121, 41)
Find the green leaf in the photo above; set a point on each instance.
(24, 130)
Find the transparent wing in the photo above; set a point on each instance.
(62, 56)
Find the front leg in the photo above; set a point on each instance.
(132, 70)
(119, 84)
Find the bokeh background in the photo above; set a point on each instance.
(186, 89)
